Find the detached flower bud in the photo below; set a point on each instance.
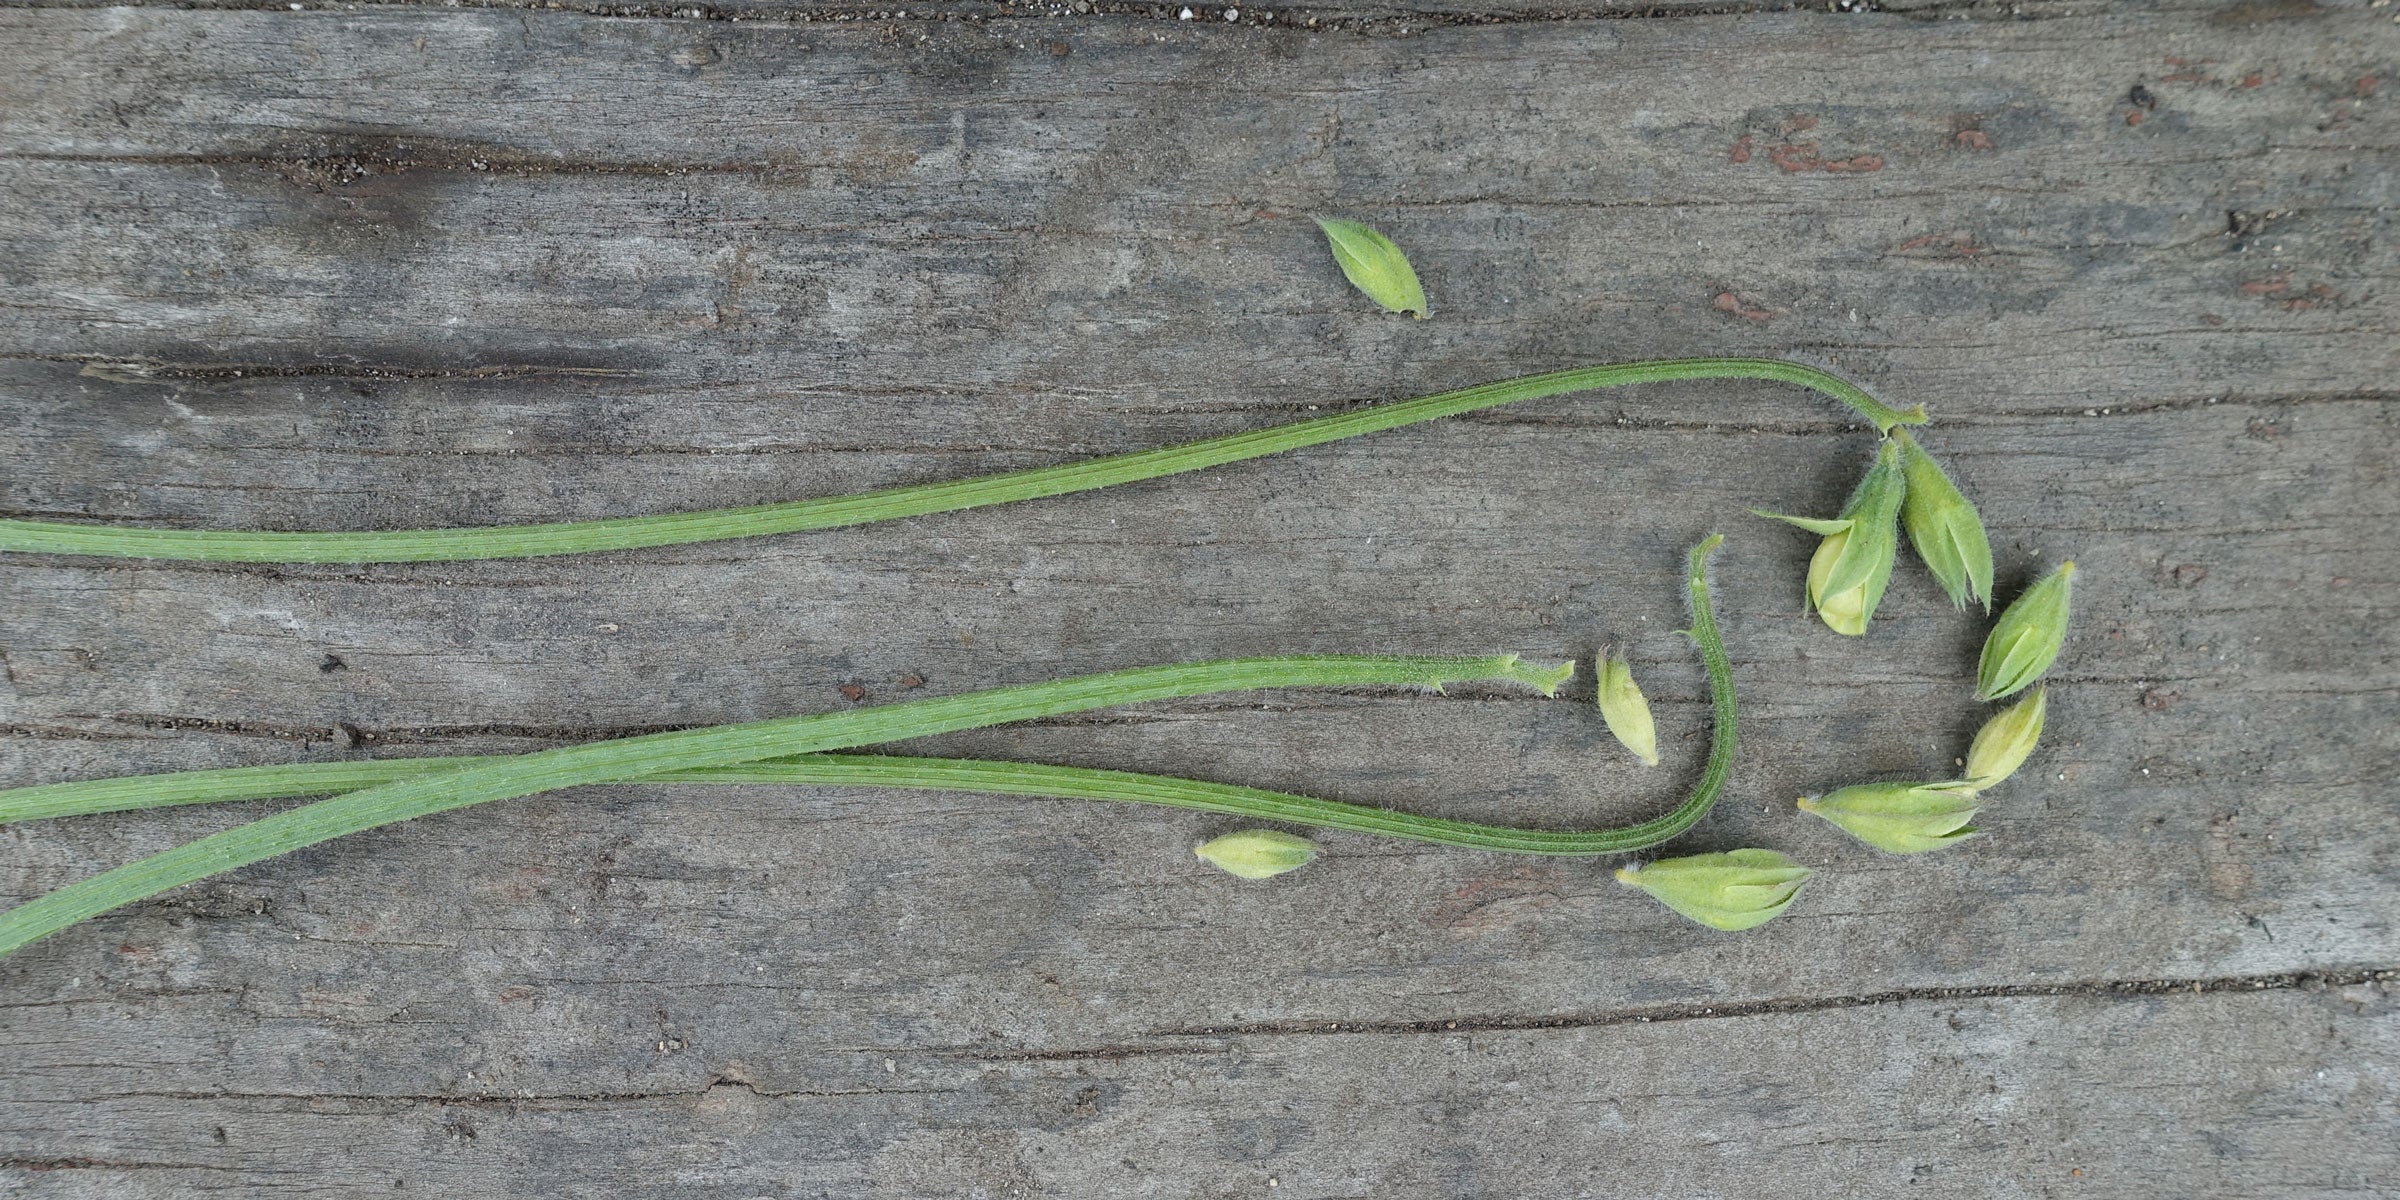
(1258, 853)
(1944, 527)
(1624, 710)
(2003, 743)
(1734, 890)
(1851, 567)
(1375, 266)
(1903, 818)
(2025, 640)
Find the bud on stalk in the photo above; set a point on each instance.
(1944, 527)
(1851, 567)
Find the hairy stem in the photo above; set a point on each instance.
(624, 533)
(939, 774)
(723, 746)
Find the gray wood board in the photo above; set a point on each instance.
(392, 268)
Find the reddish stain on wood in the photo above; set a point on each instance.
(1946, 245)
(1972, 139)
(1732, 305)
(1741, 149)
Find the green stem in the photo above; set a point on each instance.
(395, 790)
(624, 533)
(723, 746)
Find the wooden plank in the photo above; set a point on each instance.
(391, 268)
(1968, 1097)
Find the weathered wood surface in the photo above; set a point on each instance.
(399, 267)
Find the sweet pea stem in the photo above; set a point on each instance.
(781, 751)
(725, 746)
(624, 533)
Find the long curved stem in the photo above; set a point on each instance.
(724, 746)
(964, 775)
(624, 533)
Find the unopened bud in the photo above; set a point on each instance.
(1258, 853)
(2026, 638)
(2005, 741)
(1944, 527)
(1624, 710)
(1903, 818)
(1734, 890)
(1847, 574)
(1375, 266)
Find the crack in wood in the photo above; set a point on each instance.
(1395, 19)
(118, 369)
(2312, 980)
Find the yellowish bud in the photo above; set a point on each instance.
(1625, 711)
(2005, 741)
(1258, 853)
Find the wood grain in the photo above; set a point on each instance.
(404, 266)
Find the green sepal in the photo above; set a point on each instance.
(1825, 526)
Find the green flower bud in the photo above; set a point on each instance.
(1903, 818)
(2025, 640)
(1258, 853)
(1375, 266)
(2003, 743)
(1944, 528)
(1851, 567)
(1624, 710)
(1734, 890)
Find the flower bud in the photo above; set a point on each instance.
(1903, 818)
(1944, 527)
(1375, 266)
(2025, 640)
(1258, 853)
(1624, 710)
(1734, 890)
(2003, 743)
(1847, 575)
